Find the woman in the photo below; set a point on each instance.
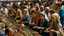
(25, 17)
(56, 27)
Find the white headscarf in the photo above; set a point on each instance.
(57, 17)
(25, 14)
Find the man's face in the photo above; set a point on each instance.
(41, 8)
(33, 14)
(46, 10)
(41, 17)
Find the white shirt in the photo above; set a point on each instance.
(6, 11)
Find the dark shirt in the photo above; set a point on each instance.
(43, 23)
(54, 26)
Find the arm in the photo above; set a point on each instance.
(27, 20)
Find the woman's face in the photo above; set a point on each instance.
(53, 19)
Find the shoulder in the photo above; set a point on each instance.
(45, 20)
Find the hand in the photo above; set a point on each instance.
(32, 23)
(35, 27)
(38, 27)
(47, 29)
(42, 28)
(52, 30)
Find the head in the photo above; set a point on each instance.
(41, 8)
(33, 13)
(9, 7)
(41, 16)
(52, 11)
(63, 3)
(47, 9)
(25, 12)
(56, 18)
(58, 5)
(37, 4)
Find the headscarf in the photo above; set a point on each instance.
(25, 13)
(57, 17)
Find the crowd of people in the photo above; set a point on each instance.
(43, 17)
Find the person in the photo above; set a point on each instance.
(42, 25)
(58, 8)
(18, 15)
(44, 12)
(55, 26)
(42, 8)
(12, 12)
(25, 17)
(51, 13)
(33, 19)
(62, 14)
(47, 12)
(5, 10)
(8, 31)
(1, 10)
(2, 25)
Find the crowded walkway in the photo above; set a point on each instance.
(32, 18)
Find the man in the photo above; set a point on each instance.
(42, 25)
(44, 12)
(62, 14)
(33, 19)
(47, 12)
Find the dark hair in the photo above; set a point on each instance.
(6, 31)
(58, 4)
(33, 11)
(24, 7)
(52, 11)
(63, 3)
(42, 15)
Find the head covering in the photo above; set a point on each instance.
(57, 17)
(37, 4)
(42, 6)
(42, 14)
(52, 11)
(47, 8)
(25, 14)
